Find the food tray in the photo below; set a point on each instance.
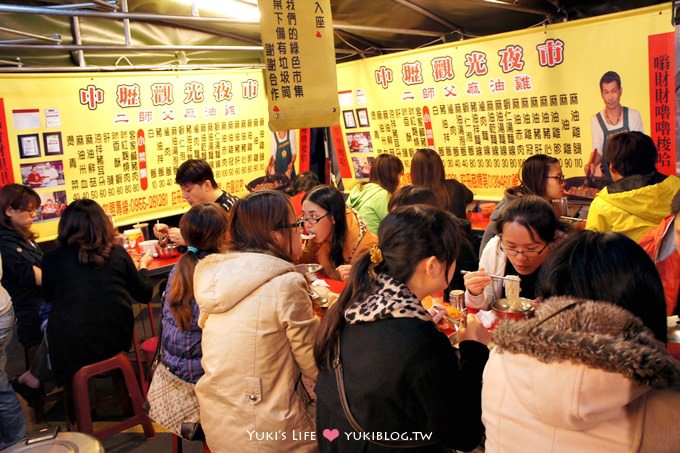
(277, 182)
(595, 182)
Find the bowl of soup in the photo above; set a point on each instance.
(523, 308)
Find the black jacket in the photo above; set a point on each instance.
(459, 197)
(91, 317)
(18, 278)
(402, 376)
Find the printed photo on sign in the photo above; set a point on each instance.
(362, 166)
(350, 122)
(52, 205)
(29, 145)
(359, 142)
(362, 115)
(43, 174)
(53, 145)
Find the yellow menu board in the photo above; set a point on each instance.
(118, 138)
(487, 104)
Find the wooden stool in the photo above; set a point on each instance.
(81, 397)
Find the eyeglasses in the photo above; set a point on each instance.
(314, 220)
(32, 212)
(560, 178)
(299, 224)
(527, 253)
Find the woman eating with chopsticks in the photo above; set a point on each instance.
(529, 231)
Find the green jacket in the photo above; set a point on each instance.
(370, 200)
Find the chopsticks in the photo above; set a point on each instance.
(497, 277)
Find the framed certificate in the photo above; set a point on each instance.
(53, 144)
(348, 116)
(362, 115)
(29, 145)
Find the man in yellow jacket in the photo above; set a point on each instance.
(640, 197)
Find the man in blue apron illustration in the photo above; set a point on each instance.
(614, 118)
(284, 151)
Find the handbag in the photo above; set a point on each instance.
(171, 402)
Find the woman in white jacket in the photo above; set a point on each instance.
(590, 373)
(258, 331)
(529, 231)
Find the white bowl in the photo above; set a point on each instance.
(148, 246)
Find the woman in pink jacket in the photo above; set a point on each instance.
(590, 372)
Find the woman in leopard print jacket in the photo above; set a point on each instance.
(381, 326)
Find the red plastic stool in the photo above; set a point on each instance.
(148, 348)
(81, 397)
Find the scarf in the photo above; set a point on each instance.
(390, 299)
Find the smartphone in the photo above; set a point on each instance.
(47, 433)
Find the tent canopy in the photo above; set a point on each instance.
(39, 36)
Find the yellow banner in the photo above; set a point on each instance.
(299, 52)
(119, 138)
(487, 104)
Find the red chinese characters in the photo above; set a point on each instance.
(551, 53)
(193, 92)
(128, 96)
(91, 96)
(161, 94)
(475, 62)
(383, 76)
(412, 73)
(222, 91)
(511, 59)
(249, 89)
(497, 85)
(442, 69)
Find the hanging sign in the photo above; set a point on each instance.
(300, 73)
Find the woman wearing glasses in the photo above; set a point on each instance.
(590, 372)
(529, 231)
(258, 330)
(339, 234)
(540, 175)
(21, 261)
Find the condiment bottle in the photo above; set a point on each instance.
(457, 299)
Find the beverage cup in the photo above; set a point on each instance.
(134, 237)
(562, 205)
(144, 228)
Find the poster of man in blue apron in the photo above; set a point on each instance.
(284, 152)
(614, 118)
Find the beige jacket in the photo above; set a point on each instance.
(591, 379)
(258, 330)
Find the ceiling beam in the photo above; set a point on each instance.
(113, 47)
(515, 6)
(53, 38)
(420, 10)
(117, 15)
(396, 31)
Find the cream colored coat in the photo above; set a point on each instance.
(543, 393)
(258, 330)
